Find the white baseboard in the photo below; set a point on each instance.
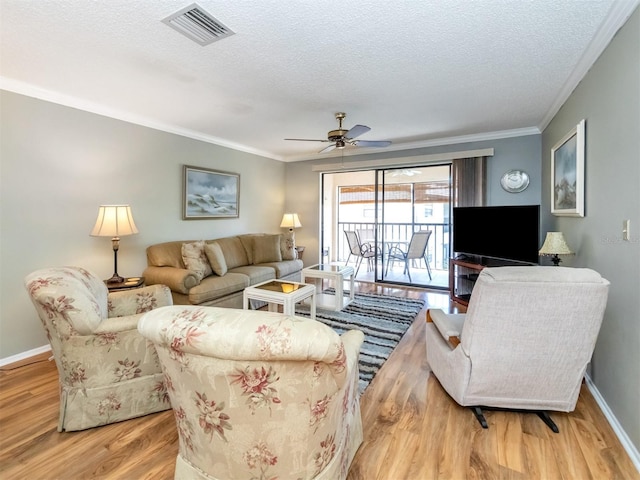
(24, 355)
(630, 448)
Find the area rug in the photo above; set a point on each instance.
(382, 318)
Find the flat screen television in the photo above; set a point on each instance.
(504, 233)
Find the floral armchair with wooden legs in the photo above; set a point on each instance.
(258, 394)
(108, 372)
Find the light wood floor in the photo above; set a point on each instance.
(412, 430)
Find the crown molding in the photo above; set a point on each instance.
(29, 90)
(620, 12)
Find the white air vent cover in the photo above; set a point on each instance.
(198, 25)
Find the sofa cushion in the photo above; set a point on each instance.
(234, 253)
(247, 242)
(284, 268)
(216, 258)
(168, 254)
(288, 246)
(266, 248)
(214, 287)
(195, 259)
(256, 273)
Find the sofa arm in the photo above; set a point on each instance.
(179, 280)
(139, 300)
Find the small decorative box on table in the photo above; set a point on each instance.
(127, 284)
(336, 274)
(278, 292)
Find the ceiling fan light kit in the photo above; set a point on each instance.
(341, 137)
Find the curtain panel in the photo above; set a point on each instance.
(469, 181)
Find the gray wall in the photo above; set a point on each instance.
(59, 164)
(303, 184)
(608, 98)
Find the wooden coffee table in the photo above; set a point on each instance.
(336, 274)
(280, 292)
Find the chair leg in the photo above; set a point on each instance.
(426, 262)
(358, 263)
(406, 269)
(348, 258)
(477, 411)
(548, 422)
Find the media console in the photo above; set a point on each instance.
(464, 271)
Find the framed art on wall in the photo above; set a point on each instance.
(567, 174)
(210, 194)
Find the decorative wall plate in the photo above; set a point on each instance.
(515, 181)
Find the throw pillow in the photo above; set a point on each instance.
(216, 258)
(266, 249)
(195, 259)
(288, 246)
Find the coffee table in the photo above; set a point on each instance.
(333, 273)
(279, 292)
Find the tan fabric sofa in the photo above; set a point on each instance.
(226, 267)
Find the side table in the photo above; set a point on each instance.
(128, 284)
(336, 273)
(279, 292)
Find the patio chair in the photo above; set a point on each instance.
(362, 251)
(417, 250)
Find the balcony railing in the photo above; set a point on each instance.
(394, 233)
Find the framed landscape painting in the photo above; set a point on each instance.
(567, 174)
(210, 194)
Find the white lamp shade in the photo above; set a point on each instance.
(555, 244)
(114, 221)
(290, 220)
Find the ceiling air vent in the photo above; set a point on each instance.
(198, 25)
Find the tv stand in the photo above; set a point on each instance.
(464, 271)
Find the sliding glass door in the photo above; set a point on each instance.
(387, 208)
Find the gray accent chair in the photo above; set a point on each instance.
(524, 343)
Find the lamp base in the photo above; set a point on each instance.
(115, 279)
(556, 260)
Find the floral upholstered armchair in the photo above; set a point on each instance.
(108, 372)
(258, 394)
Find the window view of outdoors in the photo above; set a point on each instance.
(401, 233)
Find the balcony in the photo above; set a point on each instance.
(398, 234)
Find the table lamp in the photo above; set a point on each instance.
(554, 245)
(290, 221)
(114, 221)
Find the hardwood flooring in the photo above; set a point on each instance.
(412, 430)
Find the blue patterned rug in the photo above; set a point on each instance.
(382, 318)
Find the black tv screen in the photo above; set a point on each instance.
(507, 232)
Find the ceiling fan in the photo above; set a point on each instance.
(341, 137)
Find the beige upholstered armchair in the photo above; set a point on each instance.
(258, 394)
(108, 372)
(525, 341)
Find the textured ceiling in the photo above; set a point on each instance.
(418, 72)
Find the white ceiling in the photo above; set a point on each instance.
(418, 72)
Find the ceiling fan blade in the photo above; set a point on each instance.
(306, 140)
(328, 149)
(356, 131)
(372, 143)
